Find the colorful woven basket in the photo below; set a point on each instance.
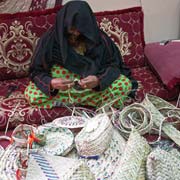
(8, 163)
(59, 141)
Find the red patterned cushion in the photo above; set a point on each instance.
(125, 27)
(148, 83)
(16, 109)
(19, 34)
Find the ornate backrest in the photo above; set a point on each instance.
(20, 32)
(125, 28)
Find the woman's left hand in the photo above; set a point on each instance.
(89, 82)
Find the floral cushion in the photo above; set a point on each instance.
(125, 27)
(148, 83)
(19, 34)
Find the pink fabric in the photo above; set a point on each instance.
(165, 60)
(149, 83)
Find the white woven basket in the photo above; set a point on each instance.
(104, 167)
(95, 137)
(8, 162)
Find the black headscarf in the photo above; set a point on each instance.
(102, 57)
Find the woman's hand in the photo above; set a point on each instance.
(61, 84)
(89, 82)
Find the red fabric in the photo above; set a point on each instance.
(125, 27)
(19, 35)
(148, 83)
(17, 110)
(165, 60)
(4, 143)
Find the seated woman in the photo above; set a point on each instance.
(76, 49)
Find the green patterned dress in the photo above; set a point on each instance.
(119, 89)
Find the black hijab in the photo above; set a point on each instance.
(102, 57)
(53, 45)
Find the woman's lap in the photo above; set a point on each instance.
(119, 90)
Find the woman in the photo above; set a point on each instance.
(76, 49)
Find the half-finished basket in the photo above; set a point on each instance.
(95, 137)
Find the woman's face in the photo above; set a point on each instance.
(73, 35)
(73, 31)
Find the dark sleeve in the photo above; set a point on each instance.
(40, 71)
(111, 65)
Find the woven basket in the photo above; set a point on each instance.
(71, 122)
(21, 133)
(104, 167)
(158, 119)
(45, 167)
(132, 162)
(134, 116)
(165, 108)
(8, 162)
(95, 137)
(163, 165)
(59, 141)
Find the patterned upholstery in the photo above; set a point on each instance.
(125, 27)
(149, 83)
(16, 109)
(19, 34)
